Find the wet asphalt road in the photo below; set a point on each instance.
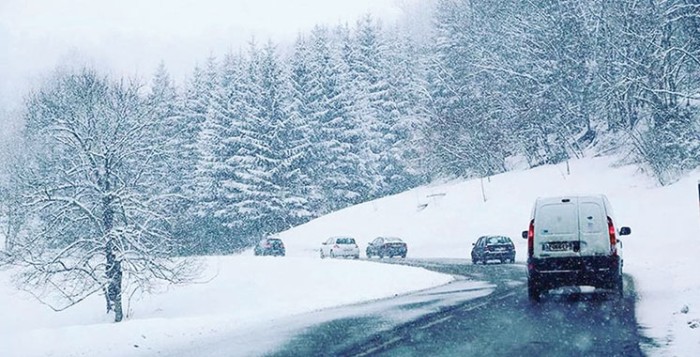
(463, 319)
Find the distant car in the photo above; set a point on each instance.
(270, 246)
(387, 247)
(493, 248)
(340, 247)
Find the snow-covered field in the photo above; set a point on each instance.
(245, 292)
(440, 220)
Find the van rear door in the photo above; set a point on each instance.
(593, 227)
(557, 228)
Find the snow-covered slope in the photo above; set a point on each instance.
(662, 254)
(244, 293)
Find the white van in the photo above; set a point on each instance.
(572, 241)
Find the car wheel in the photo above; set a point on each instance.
(322, 256)
(533, 291)
(381, 255)
(356, 257)
(403, 256)
(619, 287)
(332, 254)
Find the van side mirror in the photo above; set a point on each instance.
(524, 234)
(625, 231)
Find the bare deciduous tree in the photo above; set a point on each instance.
(93, 186)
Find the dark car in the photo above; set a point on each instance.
(270, 246)
(387, 247)
(493, 248)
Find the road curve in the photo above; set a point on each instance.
(493, 319)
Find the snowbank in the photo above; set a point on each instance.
(244, 292)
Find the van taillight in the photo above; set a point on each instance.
(613, 240)
(531, 239)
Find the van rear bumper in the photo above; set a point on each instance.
(549, 273)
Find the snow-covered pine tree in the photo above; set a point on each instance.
(373, 106)
(405, 75)
(304, 191)
(340, 136)
(199, 143)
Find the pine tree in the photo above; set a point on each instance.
(199, 145)
(340, 135)
(304, 190)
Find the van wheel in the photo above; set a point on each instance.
(533, 291)
(619, 287)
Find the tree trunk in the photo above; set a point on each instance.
(114, 289)
(114, 266)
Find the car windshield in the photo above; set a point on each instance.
(498, 240)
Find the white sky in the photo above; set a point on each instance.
(130, 37)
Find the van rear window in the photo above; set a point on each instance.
(593, 220)
(557, 219)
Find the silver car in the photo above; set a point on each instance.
(340, 247)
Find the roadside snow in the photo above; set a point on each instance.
(244, 292)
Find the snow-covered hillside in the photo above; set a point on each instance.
(440, 220)
(662, 254)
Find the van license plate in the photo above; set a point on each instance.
(558, 246)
